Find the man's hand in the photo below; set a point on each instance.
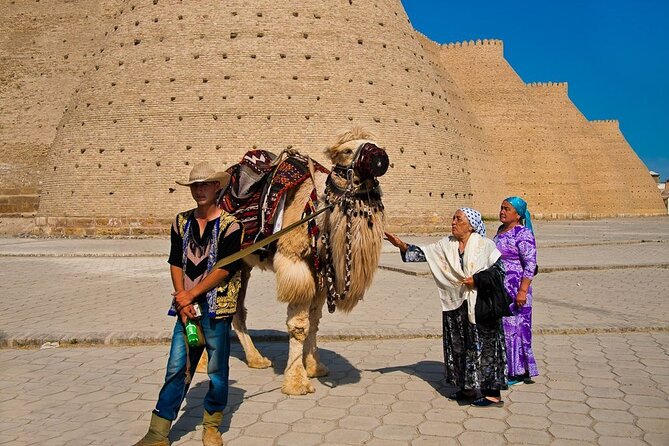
(468, 282)
(183, 298)
(187, 312)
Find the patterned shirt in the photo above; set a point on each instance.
(199, 249)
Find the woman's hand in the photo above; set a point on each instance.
(396, 241)
(521, 298)
(468, 282)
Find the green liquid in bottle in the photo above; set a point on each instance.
(191, 334)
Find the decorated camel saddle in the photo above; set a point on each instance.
(258, 188)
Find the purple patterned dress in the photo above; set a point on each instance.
(519, 254)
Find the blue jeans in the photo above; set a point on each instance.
(173, 392)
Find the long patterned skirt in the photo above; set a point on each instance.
(474, 355)
(518, 331)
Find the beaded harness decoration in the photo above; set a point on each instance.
(364, 201)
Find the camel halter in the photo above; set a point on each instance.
(369, 199)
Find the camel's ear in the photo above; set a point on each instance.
(330, 152)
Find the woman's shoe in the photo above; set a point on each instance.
(512, 382)
(528, 381)
(485, 402)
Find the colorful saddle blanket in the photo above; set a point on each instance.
(257, 187)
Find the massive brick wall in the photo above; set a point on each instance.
(487, 185)
(625, 174)
(176, 82)
(532, 160)
(127, 95)
(547, 151)
(44, 47)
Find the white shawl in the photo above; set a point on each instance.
(444, 261)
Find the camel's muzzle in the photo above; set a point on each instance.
(371, 161)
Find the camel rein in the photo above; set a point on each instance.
(266, 241)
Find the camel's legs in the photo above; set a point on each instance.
(253, 357)
(312, 361)
(296, 381)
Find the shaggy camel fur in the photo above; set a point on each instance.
(297, 281)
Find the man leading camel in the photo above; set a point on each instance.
(199, 238)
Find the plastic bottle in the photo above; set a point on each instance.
(192, 336)
(193, 329)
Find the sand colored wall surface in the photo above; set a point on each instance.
(531, 158)
(177, 82)
(566, 166)
(486, 183)
(105, 103)
(45, 48)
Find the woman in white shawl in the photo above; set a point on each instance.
(474, 354)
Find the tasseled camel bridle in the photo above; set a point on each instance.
(368, 162)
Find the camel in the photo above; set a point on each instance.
(353, 227)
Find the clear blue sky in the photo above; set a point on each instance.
(613, 53)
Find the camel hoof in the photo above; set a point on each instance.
(317, 370)
(297, 388)
(259, 362)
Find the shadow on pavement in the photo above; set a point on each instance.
(342, 372)
(192, 412)
(431, 372)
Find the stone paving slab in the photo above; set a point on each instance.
(605, 389)
(549, 234)
(112, 300)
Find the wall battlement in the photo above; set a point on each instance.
(607, 123)
(475, 43)
(562, 86)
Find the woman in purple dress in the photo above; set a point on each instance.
(515, 240)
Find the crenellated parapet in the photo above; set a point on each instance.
(561, 86)
(606, 123)
(479, 43)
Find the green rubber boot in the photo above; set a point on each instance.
(157, 434)
(211, 436)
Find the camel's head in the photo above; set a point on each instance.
(356, 154)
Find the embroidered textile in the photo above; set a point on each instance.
(257, 187)
(221, 300)
(474, 356)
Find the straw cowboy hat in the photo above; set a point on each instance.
(202, 173)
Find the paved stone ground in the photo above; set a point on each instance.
(606, 389)
(602, 338)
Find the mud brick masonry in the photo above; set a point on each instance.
(104, 103)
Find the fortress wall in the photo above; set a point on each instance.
(486, 183)
(532, 160)
(177, 82)
(602, 158)
(626, 173)
(125, 96)
(44, 47)
(582, 146)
